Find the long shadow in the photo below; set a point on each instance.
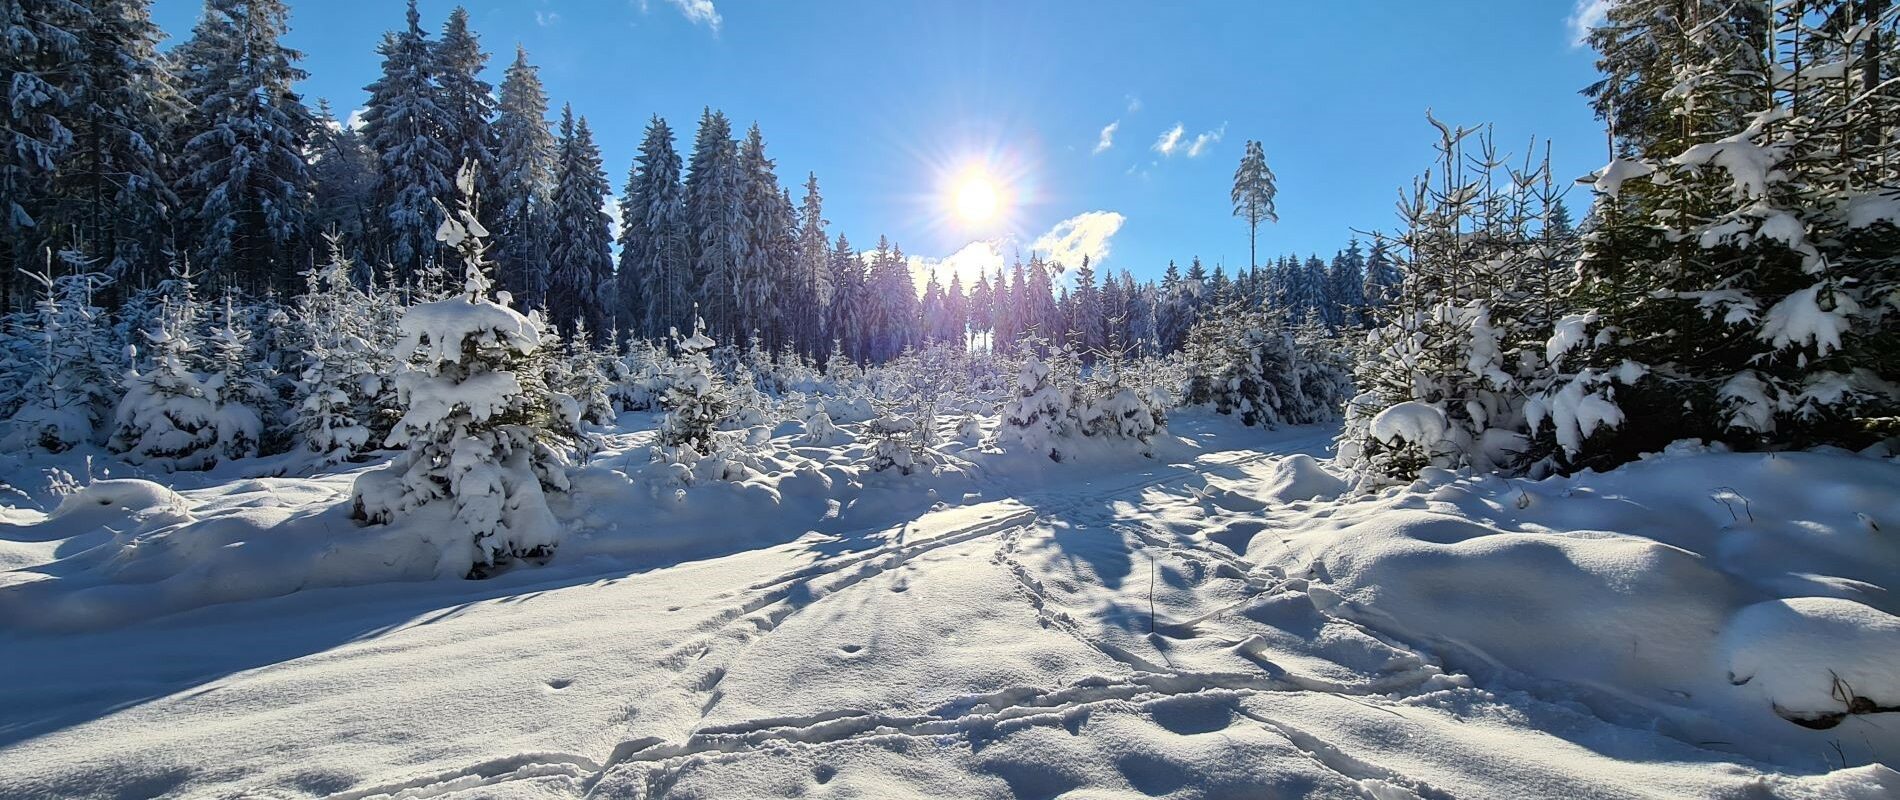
(50, 681)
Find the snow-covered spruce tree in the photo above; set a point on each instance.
(479, 427)
(814, 270)
(468, 105)
(696, 400)
(765, 262)
(42, 39)
(343, 178)
(640, 375)
(580, 284)
(524, 183)
(243, 175)
(654, 270)
(587, 379)
(1040, 415)
(715, 239)
(113, 193)
(405, 123)
(166, 419)
(1740, 264)
(1116, 406)
(64, 387)
(340, 387)
(237, 384)
(1242, 362)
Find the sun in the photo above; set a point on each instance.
(976, 198)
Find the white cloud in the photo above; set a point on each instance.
(1205, 140)
(1170, 140)
(1085, 234)
(355, 120)
(699, 12)
(1134, 104)
(546, 18)
(1587, 14)
(612, 207)
(976, 258)
(1108, 137)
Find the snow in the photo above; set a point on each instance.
(1609, 180)
(1798, 320)
(1224, 617)
(1412, 421)
(1815, 658)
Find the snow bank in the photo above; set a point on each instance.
(135, 550)
(1641, 591)
(1816, 659)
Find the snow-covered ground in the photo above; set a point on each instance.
(1223, 620)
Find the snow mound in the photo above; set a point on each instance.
(1639, 591)
(139, 498)
(1302, 477)
(250, 539)
(1816, 659)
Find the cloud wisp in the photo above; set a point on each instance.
(1107, 139)
(698, 12)
(1206, 140)
(1586, 15)
(1170, 140)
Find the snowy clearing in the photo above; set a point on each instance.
(1218, 621)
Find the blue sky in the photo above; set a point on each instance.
(891, 102)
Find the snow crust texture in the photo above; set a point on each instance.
(1220, 618)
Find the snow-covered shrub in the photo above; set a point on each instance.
(695, 400)
(1815, 660)
(1116, 408)
(639, 375)
(1041, 416)
(340, 388)
(238, 385)
(1243, 361)
(819, 429)
(479, 425)
(167, 418)
(585, 376)
(63, 385)
(896, 443)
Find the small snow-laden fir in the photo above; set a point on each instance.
(1040, 416)
(696, 400)
(482, 433)
(239, 384)
(68, 390)
(342, 384)
(1117, 405)
(1249, 362)
(173, 414)
(1474, 328)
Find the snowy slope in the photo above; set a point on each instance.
(1216, 622)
